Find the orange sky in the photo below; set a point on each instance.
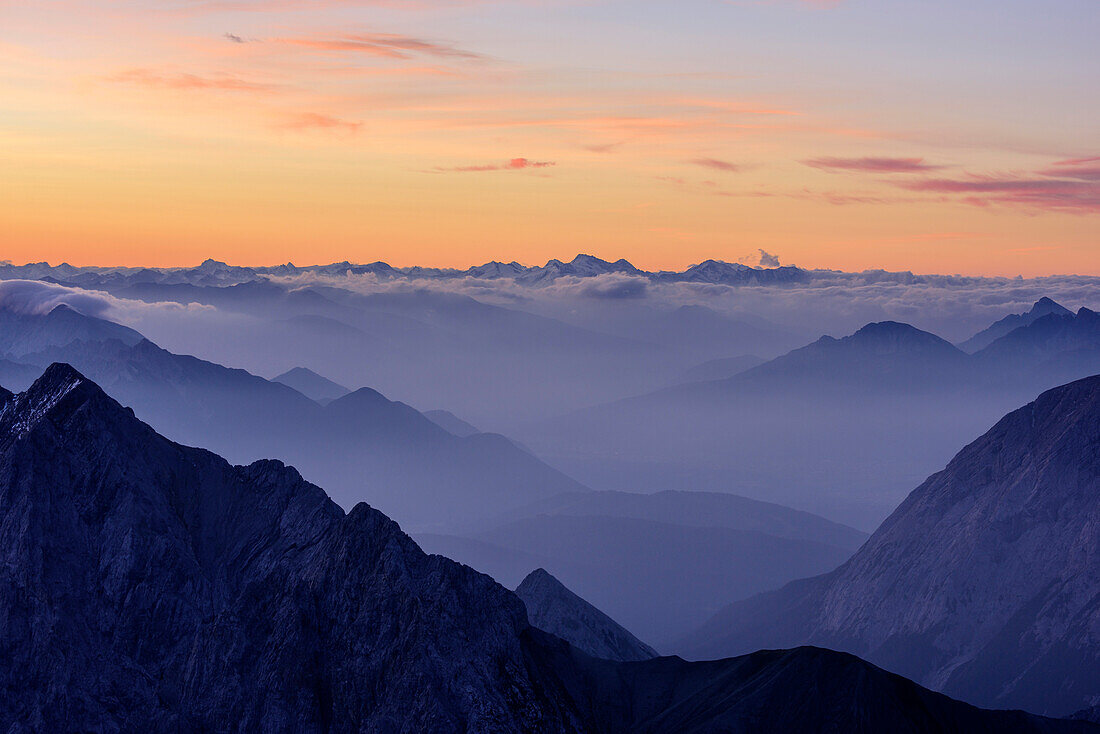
(844, 135)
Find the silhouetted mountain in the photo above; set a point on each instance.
(362, 446)
(882, 355)
(166, 590)
(1046, 352)
(555, 609)
(451, 423)
(984, 583)
(840, 427)
(26, 333)
(315, 387)
(1043, 307)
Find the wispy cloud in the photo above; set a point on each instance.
(1072, 193)
(717, 164)
(320, 121)
(872, 165)
(515, 164)
(180, 80)
(1083, 169)
(386, 45)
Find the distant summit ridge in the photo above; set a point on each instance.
(1043, 307)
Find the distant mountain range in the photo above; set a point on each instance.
(842, 427)
(214, 273)
(362, 445)
(165, 589)
(984, 583)
(1043, 307)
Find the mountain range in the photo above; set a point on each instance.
(984, 583)
(362, 445)
(165, 589)
(841, 427)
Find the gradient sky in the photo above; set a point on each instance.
(933, 136)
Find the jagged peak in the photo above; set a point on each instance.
(21, 413)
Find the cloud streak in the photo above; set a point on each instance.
(515, 164)
(717, 164)
(871, 165)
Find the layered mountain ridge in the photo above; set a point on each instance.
(147, 586)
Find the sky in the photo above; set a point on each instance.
(938, 136)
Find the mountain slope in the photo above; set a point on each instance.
(555, 609)
(312, 385)
(1043, 307)
(984, 583)
(363, 447)
(1046, 352)
(25, 333)
(166, 590)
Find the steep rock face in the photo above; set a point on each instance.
(555, 609)
(151, 586)
(984, 583)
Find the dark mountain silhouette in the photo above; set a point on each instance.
(362, 446)
(1046, 352)
(1043, 307)
(984, 583)
(315, 387)
(555, 609)
(166, 590)
(883, 355)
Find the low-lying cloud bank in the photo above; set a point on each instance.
(585, 290)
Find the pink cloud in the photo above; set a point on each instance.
(1083, 169)
(872, 165)
(1024, 191)
(386, 45)
(718, 165)
(319, 121)
(515, 164)
(222, 82)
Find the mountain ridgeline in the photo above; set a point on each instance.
(555, 609)
(148, 586)
(984, 583)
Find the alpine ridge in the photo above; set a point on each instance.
(151, 587)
